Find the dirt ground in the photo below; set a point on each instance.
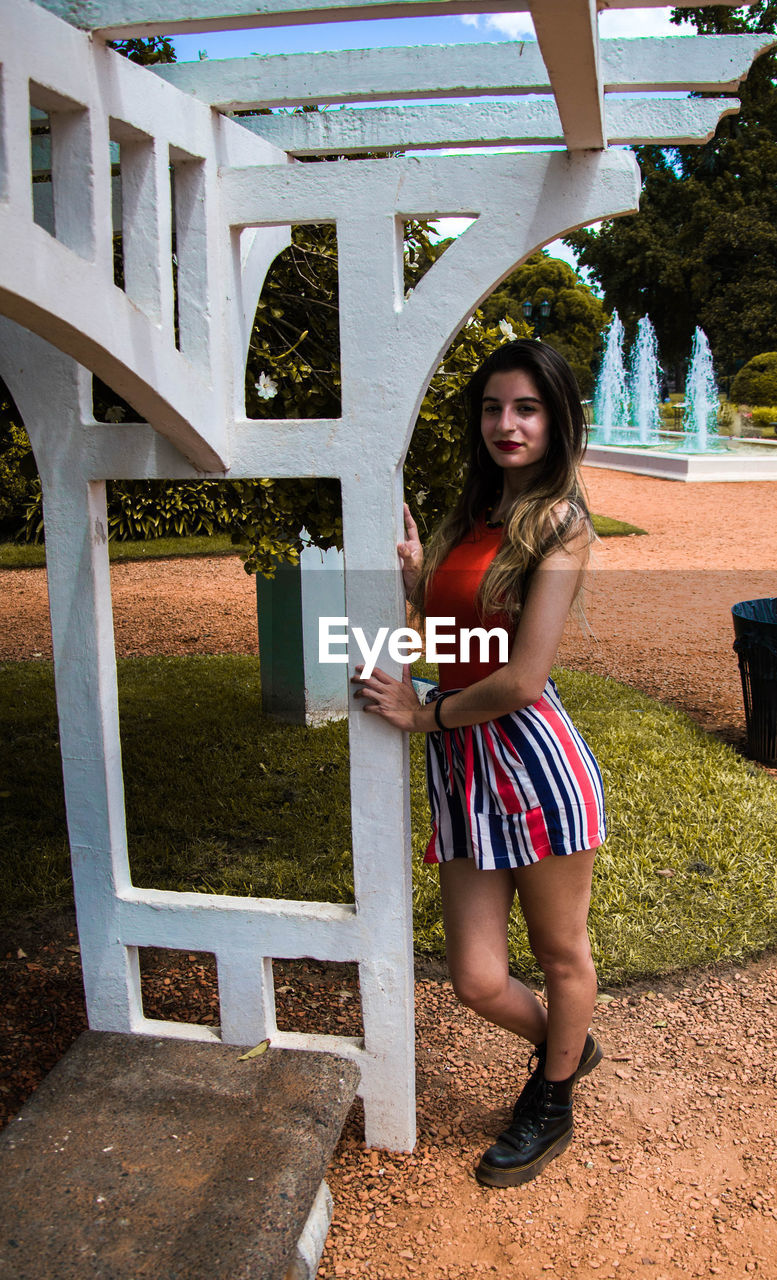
(673, 1171)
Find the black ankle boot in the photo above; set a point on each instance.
(590, 1057)
(536, 1076)
(541, 1131)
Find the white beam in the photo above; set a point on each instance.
(441, 186)
(457, 71)
(123, 18)
(629, 121)
(568, 37)
(655, 121)
(350, 131)
(359, 75)
(700, 63)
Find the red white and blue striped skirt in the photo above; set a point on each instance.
(513, 790)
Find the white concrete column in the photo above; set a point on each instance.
(54, 396)
(380, 821)
(87, 706)
(375, 406)
(246, 997)
(296, 685)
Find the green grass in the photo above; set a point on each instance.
(607, 527)
(221, 799)
(30, 555)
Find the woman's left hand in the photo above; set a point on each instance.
(395, 700)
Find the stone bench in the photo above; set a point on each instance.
(167, 1159)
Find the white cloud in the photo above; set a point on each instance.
(626, 23)
(516, 25)
(557, 249)
(613, 23)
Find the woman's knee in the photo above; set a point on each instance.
(563, 957)
(479, 989)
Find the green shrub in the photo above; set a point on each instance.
(18, 479)
(145, 509)
(763, 419)
(756, 383)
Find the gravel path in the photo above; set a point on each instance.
(674, 1170)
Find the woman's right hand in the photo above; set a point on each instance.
(410, 552)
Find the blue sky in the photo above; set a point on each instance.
(412, 31)
(404, 31)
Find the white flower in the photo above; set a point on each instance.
(507, 330)
(266, 389)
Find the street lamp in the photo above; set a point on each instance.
(537, 315)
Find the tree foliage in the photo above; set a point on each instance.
(577, 317)
(147, 52)
(295, 345)
(18, 476)
(703, 247)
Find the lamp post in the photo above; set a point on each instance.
(538, 315)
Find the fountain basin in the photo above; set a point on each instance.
(732, 459)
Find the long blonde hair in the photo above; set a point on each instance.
(551, 512)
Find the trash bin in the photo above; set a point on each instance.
(755, 629)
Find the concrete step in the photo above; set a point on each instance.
(144, 1157)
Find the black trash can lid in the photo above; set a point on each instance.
(763, 611)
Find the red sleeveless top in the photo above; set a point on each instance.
(452, 593)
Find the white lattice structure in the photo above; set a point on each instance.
(237, 191)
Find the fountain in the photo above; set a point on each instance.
(611, 399)
(627, 435)
(700, 418)
(644, 385)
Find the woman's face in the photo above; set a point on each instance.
(515, 424)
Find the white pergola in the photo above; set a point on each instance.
(237, 192)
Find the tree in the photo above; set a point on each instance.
(18, 476)
(703, 247)
(576, 319)
(147, 52)
(293, 371)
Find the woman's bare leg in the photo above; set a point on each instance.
(476, 907)
(554, 895)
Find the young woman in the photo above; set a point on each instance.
(515, 793)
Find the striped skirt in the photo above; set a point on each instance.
(513, 790)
